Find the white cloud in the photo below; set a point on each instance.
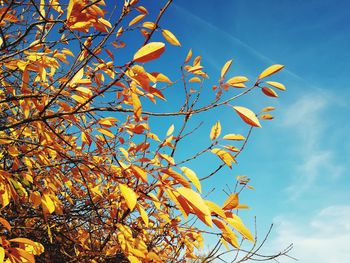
(325, 238)
(305, 117)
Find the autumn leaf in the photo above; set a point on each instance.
(225, 68)
(270, 70)
(170, 37)
(277, 85)
(269, 92)
(149, 52)
(231, 202)
(193, 177)
(225, 156)
(129, 195)
(234, 137)
(247, 116)
(215, 131)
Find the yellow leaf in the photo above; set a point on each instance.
(47, 202)
(170, 130)
(149, 25)
(234, 137)
(149, 52)
(215, 131)
(225, 68)
(270, 70)
(231, 202)
(2, 254)
(78, 76)
(178, 177)
(266, 117)
(105, 132)
(226, 157)
(277, 85)
(136, 19)
(143, 214)
(227, 233)
(195, 79)
(193, 177)
(23, 241)
(70, 8)
(129, 196)
(189, 56)
(215, 209)
(139, 172)
(105, 22)
(133, 259)
(136, 104)
(195, 68)
(268, 108)
(237, 224)
(269, 92)
(170, 37)
(236, 80)
(197, 203)
(247, 116)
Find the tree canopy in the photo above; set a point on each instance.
(83, 175)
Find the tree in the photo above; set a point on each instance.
(84, 177)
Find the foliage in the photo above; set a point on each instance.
(83, 177)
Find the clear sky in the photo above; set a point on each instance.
(298, 163)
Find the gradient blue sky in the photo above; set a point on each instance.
(299, 162)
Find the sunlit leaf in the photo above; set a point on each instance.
(225, 156)
(149, 52)
(129, 195)
(247, 116)
(270, 70)
(215, 131)
(193, 177)
(277, 85)
(234, 137)
(231, 202)
(170, 37)
(197, 203)
(225, 68)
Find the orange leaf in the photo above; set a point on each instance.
(149, 52)
(136, 19)
(269, 92)
(5, 223)
(270, 70)
(231, 202)
(247, 116)
(189, 56)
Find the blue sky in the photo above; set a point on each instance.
(299, 162)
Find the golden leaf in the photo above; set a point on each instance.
(225, 68)
(170, 37)
(247, 116)
(215, 131)
(234, 137)
(270, 70)
(193, 177)
(277, 85)
(231, 202)
(149, 52)
(226, 157)
(136, 19)
(197, 203)
(129, 196)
